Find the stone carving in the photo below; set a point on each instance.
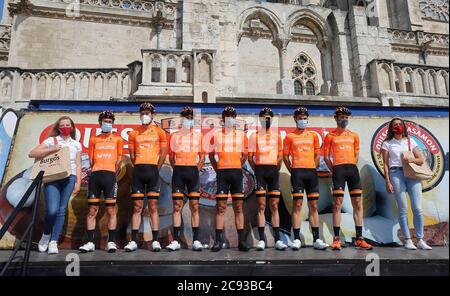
(435, 9)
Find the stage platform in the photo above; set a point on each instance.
(231, 262)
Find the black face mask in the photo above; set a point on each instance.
(266, 122)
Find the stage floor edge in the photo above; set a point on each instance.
(231, 262)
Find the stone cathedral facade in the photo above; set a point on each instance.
(373, 53)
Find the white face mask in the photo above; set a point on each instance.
(229, 122)
(187, 123)
(146, 119)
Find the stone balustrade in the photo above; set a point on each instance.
(405, 79)
(19, 85)
(418, 37)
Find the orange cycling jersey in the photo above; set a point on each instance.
(104, 151)
(186, 147)
(267, 147)
(147, 142)
(342, 147)
(229, 146)
(302, 147)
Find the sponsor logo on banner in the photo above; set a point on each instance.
(428, 144)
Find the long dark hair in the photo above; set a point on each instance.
(390, 133)
(55, 128)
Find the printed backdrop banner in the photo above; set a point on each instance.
(380, 210)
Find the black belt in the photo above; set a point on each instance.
(396, 168)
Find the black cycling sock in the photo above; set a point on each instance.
(315, 233)
(296, 233)
(90, 235)
(195, 230)
(262, 236)
(111, 235)
(219, 235)
(241, 235)
(358, 231)
(134, 235)
(155, 234)
(276, 233)
(337, 230)
(176, 233)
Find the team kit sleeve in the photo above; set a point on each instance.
(316, 143)
(119, 147)
(245, 148)
(162, 138)
(327, 145)
(170, 145)
(252, 145)
(131, 139)
(356, 143)
(280, 145)
(287, 145)
(91, 148)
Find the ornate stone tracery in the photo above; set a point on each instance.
(304, 74)
(435, 9)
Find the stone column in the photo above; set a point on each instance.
(146, 68)
(327, 66)
(285, 85)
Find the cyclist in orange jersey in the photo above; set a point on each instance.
(105, 155)
(148, 150)
(302, 156)
(187, 157)
(230, 145)
(265, 156)
(341, 156)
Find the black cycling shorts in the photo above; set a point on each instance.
(305, 180)
(267, 178)
(346, 173)
(102, 181)
(185, 178)
(229, 180)
(145, 180)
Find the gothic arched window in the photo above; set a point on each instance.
(304, 74)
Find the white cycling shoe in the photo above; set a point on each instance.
(111, 247)
(197, 246)
(53, 247)
(131, 246)
(43, 243)
(174, 246)
(261, 245)
(421, 244)
(279, 245)
(88, 247)
(320, 244)
(409, 245)
(156, 246)
(296, 245)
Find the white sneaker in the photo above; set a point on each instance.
(131, 246)
(296, 245)
(197, 246)
(410, 245)
(421, 244)
(280, 245)
(156, 246)
(111, 247)
(53, 247)
(261, 245)
(320, 244)
(43, 243)
(88, 247)
(174, 246)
